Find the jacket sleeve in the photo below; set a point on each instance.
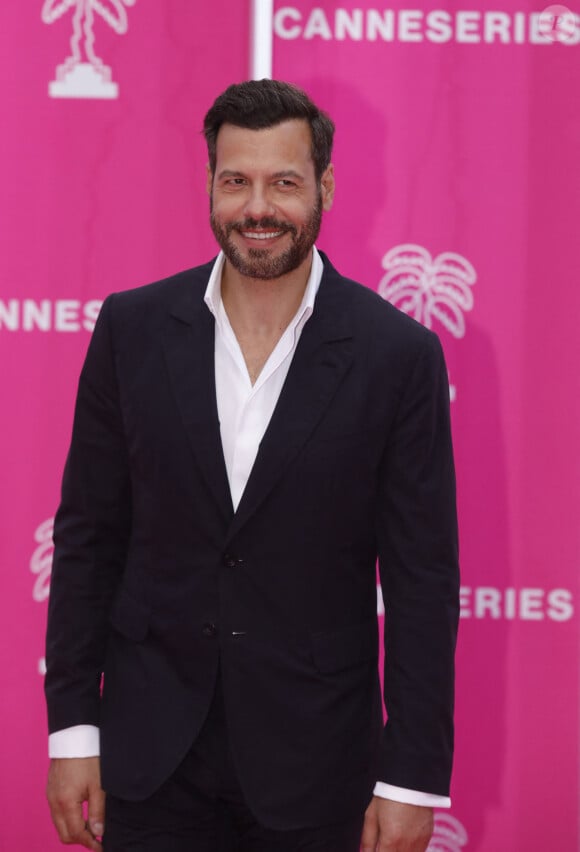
(418, 562)
(91, 533)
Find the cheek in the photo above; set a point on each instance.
(225, 209)
(296, 212)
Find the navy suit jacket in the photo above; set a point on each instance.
(156, 580)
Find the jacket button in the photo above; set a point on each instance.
(209, 630)
(230, 561)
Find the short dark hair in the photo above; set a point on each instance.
(257, 104)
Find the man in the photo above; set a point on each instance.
(249, 436)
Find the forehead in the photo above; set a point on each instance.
(283, 146)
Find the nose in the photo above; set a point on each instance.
(258, 203)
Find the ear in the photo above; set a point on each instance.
(209, 179)
(327, 187)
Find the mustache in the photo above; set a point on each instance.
(268, 222)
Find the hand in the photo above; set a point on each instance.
(72, 781)
(396, 827)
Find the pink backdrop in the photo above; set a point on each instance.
(458, 198)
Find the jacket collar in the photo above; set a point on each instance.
(321, 361)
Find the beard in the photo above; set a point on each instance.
(261, 263)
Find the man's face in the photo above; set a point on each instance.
(266, 205)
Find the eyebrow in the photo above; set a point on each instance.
(229, 173)
(288, 173)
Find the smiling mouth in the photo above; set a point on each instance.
(261, 235)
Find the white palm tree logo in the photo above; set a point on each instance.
(88, 77)
(429, 288)
(448, 834)
(41, 560)
(41, 566)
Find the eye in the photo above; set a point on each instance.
(284, 183)
(235, 181)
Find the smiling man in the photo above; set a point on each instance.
(274, 177)
(250, 436)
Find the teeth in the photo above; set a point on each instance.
(253, 235)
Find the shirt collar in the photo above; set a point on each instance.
(213, 295)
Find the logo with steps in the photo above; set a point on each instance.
(83, 74)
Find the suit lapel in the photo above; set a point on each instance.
(322, 359)
(189, 353)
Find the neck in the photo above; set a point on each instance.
(263, 307)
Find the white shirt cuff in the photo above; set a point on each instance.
(410, 797)
(83, 741)
(78, 741)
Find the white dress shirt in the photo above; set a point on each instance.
(244, 413)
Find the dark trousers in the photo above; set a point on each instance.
(201, 808)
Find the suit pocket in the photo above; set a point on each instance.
(342, 649)
(130, 617)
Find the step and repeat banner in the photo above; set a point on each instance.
(458, 199)
(102, 186)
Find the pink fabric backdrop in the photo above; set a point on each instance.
(97, 195)
(470, 146)
(458, 198)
